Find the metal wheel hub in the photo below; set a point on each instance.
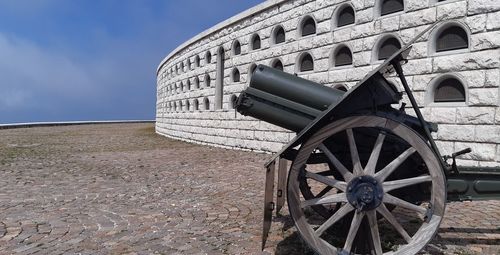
(364, 193)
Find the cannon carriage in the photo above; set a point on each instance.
(366, 177)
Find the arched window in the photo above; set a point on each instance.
(175, 107)
(236, 48)
(452, 38)
(391, 6)
(207, 80)
(279, 35)
(176, 69)
(236, 75)
(388, 47)
(189, 84)
(182, 67)
(206, 103)
(233, 99)
(196, 83)
(208, 57)
(343, 57)
(306, 63)
(181, 106)
(278, 65)
(449, 90)
(251, 70)
(345, 16)
(197, 61)
(195, 105)
(341, 87)
(255, 42)
(189, 64)
(188, 105)
(308, 26)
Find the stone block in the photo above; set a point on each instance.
(342, 34)
(480, 151)
(483, 6)
(474, 78)
(362, 58)
(475, 115)
(418, 66)
(421, 82)
(362, 30)
(444, 115)
(419, 50)
(483, 96)
(451, 10)
(364, 16)
(418, 18)
(485, 40)
(467, 61)
(445, 148)
(388, 24)
(497, 157)
(487, 134)
(467, 163)
(489, 164)
(412, 5)
(335, 76)
(492, 21)
(456, 132)
(492, 78)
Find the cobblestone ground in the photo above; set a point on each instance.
(121, 189)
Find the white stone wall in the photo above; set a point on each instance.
(472, 124)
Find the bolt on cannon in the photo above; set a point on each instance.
(360, 167)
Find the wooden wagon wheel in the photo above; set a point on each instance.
(366, 191)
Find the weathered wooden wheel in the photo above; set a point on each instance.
(364, 191)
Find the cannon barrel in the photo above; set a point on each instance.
(284, 99)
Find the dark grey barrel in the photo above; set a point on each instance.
(284, 99)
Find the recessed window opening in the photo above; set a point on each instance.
(181, 106)
(236, 48)
(391, 6)
(208, 57)
(197, 61)
(175, 107)
(279, 35)
(189, 84)
(306, 63)
(343, 57)
(255, 42)
(388, 47)
(189, 64)
(233, 100)
(196, 83)
(346, 16)
(195, 105)
(452, 38)
(236, 75)
(449, 90)
(278, 65)
(308, 26)
(341, 87)
(206, 103)
(207, 80)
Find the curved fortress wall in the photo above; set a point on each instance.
(454, 70)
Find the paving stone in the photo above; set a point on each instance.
(121, 189)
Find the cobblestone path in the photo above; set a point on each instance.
(121, 189)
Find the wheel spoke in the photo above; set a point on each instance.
(356, 163)
(338, 165)
(372, 220)
(334, 218)
(382, 209)
(372, 162)
(324, 191)
(330, 199)
(392, 185)
(353, 230)
(400, 202)
(328, 181)
(387, 170)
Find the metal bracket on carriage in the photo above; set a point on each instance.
(453, 167)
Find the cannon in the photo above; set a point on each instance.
(365, 176)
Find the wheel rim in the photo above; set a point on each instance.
(367, 215)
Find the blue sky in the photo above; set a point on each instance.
(64, 60)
